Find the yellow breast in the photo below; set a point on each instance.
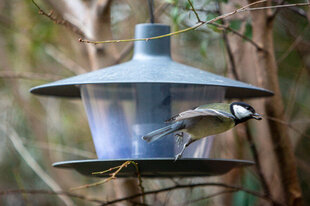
(209, 126)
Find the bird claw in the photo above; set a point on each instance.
(177, 157)
(179, 138)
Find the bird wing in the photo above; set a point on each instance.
(199, 113)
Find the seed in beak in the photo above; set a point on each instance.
(257, 116)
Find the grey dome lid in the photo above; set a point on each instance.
(151, 63)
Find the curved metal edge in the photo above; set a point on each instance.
(182, 168)
(66, 163)
(73, 90)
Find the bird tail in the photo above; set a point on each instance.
(158, 134)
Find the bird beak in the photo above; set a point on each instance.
(257, 116)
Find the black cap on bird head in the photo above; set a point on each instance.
(243, 112)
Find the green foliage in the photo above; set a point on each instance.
(187, 5)
(248, 30)
(171, 1)
(214, 28)
(302, 153)
(244, 199)
(211, 16)
(235, 24)
(203, 48)
(175, 15)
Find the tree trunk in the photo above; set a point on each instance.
(247, 70)
(262, 23)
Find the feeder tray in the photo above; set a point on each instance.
(166, 167)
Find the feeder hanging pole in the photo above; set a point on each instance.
(151, 11)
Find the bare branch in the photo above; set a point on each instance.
(180, 186)
(289, 125)
(242, 9)
(209, 196)
(129, 47)
(64, 60)
(274, 14)
(257, 161)
(230, 56)
(139, 180)
(59, 148)
(113, 176)
(143, 39)
(277, 6)
(48, 192)
(63, 22)
(197, 9)
(30, 76)
(193, 9)
(32, 163)
(226, 27)
(293, 45)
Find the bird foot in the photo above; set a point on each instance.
(179, 138)
(178, 156)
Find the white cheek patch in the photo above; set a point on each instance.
(241, 112)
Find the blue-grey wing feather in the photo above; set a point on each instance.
(200, 113)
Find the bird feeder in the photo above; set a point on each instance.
(128, 100)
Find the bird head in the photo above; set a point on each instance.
(243, 112)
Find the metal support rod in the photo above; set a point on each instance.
(151, 11)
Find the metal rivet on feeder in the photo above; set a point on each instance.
(126, 101)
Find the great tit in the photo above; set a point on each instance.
(205, 120)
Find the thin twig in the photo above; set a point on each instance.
(257, 161)
(197, 9)
(298, 11)
(226, 27)
(29, 75)
(289, 125)
(277, 6)
(193, 9)
(290, 49)
(59, 148)
(274, 14)
(293, 91)
(62, 59)
(236, 188)
(128, 48)
(139, 180)
(24, 153)
(227, 45)
(63, 22)
(113, 176)
(143, 39)
(48, 192)
(242, 9)
(293, 45)
(209, 196)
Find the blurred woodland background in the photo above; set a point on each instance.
(268, 47)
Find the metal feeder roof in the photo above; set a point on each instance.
(151, 63)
